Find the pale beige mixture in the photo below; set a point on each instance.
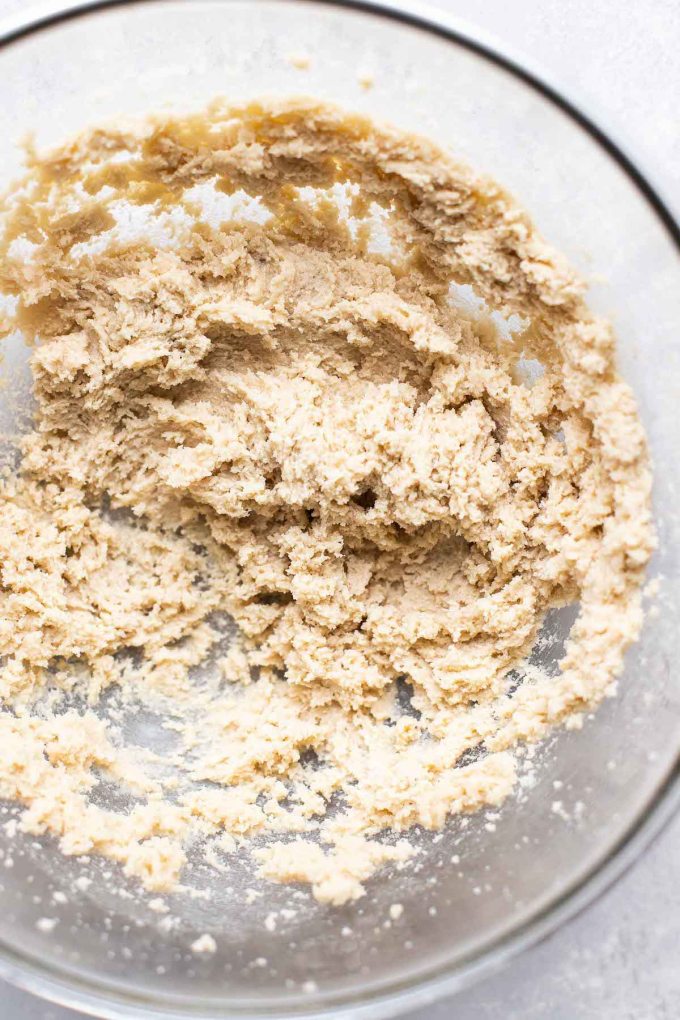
(277, 409)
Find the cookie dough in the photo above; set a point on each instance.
(308, 374)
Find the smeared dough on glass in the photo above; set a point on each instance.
(259, 394)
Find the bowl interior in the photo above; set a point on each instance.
(582, 791)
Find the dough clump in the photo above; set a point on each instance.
(308, 374)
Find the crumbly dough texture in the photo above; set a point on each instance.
(271, 415)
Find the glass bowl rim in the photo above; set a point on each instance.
(103, 1000)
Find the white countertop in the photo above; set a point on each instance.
(618, 960)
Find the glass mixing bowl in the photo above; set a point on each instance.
(482, 890)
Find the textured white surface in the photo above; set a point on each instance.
(619, 960)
